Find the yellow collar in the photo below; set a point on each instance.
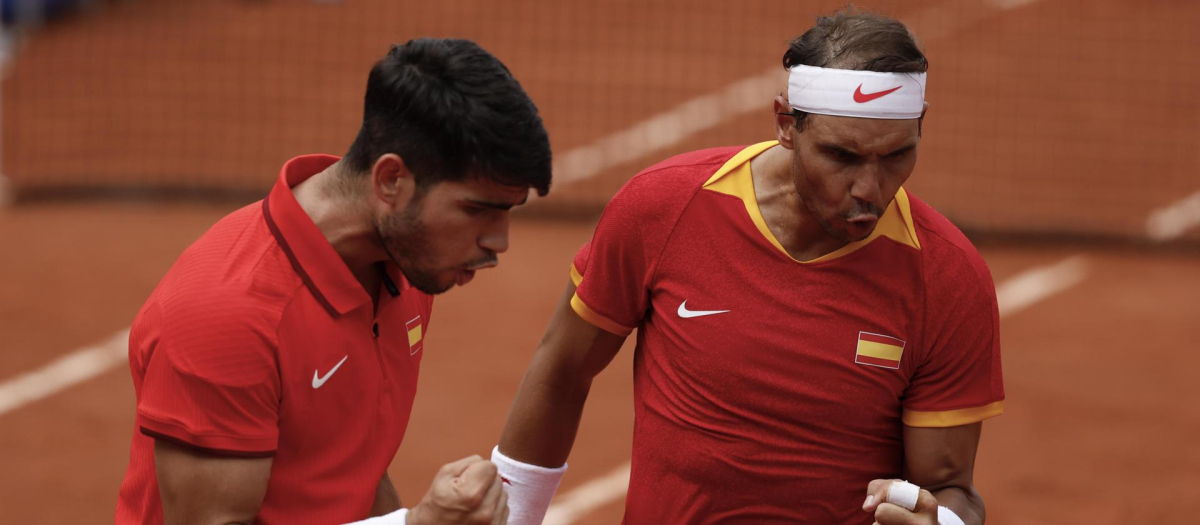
(735, 178)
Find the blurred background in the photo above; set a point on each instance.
(1062, 137)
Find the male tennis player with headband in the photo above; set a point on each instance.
(808, 330)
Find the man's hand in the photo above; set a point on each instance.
(466, 491)
(924, 513)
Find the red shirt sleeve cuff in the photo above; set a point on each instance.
(237, 446)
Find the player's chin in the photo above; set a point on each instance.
(434, 283)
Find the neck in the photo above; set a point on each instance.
(344, 220)
(783, 209)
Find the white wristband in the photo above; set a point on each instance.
(530, 488)
(399, 517)
(948, 517)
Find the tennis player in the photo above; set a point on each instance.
(275, 364)
(808, 329)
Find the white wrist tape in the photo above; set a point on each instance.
(530, 488)
(904, 494)
(948, 517)
(399, 517)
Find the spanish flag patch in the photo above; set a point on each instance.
(879, 350)
(414, 335)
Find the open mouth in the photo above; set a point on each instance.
(861, 225)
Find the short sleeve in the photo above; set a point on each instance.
(612, 272)
(960, 379)
(212, 382)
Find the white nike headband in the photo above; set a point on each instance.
(862, 94)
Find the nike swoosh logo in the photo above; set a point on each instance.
(688, 314)
(318, 381)
(861, 97)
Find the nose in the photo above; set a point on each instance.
(865, 188)
(495, 237)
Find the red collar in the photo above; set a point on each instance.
(311, 255)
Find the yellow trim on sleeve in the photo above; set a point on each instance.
(952, 418)
(604, 323)
(576, 277)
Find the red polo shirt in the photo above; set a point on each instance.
(260, 342)
(771, 390)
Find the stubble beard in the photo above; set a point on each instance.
(406, 240)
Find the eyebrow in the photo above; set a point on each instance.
(504, 206)
(839, 149)
(905, 149)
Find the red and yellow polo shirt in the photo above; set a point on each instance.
(771, 390)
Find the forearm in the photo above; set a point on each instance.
(965, 502)
(942, 461)
(545, 416)
(386, 498)
(532, 454)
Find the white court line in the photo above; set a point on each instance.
(1032, 286)
(64, 372)
(1171, 222)
(670, 127)
(1017, 293)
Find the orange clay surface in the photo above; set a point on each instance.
(1099, 425)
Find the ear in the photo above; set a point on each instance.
(785, 126)
(391, 181)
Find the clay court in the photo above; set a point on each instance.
(1061, 136)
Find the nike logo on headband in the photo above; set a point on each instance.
(861, 97)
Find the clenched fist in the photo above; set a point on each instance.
(924, 511)
(466, 491)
